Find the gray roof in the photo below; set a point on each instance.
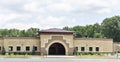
(56, 30)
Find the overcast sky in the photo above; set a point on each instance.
(43, 14)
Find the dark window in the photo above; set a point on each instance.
(0, 48)
(97, 48)
(90, 49)
(10, 48)
(35, 47)
(82, 48)
(27, 48)
(18, 48)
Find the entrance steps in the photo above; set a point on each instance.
(59, 56)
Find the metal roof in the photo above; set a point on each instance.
(56, 30)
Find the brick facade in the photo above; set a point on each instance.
(46, 39)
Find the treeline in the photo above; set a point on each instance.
(88, 31)
(109, 28)
(19, 33)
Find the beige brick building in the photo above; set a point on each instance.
(55, 42)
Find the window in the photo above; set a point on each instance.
(97, 48)
(27, 48)
(10, 48)
(18, 48)
(35, 47)
(90, 49)
(82, 48)
(0, 48)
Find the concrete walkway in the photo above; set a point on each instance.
(59, 56)
(56, 60)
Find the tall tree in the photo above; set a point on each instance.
(32, 32)
(13, 32)
(3, 51)
(66, 28)
(111, 28)
(97, 31)
(89, 30)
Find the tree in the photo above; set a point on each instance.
(32, 32)
(22, 33)
(13, 32)
(89, 31)
(66, 28)
(33, 50)
(3, 51)
(4, 32)
(97, 35)
(75, 50)
(97, 31)
(111, 28)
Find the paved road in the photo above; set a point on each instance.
(56, 60)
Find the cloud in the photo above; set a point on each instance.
(33, 7)
(9, 2)
(21, 26)
(50, 21)
(12, 16)
(54, 13)
(104, 10)
(7, 20)
(104, 6)
(60, 7)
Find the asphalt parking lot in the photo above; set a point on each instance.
(56, 60)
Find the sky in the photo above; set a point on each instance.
(45, 14)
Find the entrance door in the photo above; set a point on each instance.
(56, 49)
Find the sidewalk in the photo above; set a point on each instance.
(59, 56)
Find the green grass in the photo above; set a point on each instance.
(94, 57)
(20, 56)
(38, 56)
(13, 56)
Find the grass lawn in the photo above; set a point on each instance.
(20, 56)
(38, 56)
(95, 57)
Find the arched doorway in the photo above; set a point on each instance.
(56, 49)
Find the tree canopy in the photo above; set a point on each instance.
(89, 31)
(109, 28)
(31, 32)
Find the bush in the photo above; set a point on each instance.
(3, 51)
(20, 53)
(89, 53)
(6, 54)
(33, 50)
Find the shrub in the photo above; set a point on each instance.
(33, 51)
(3, 51)
(89, 53)
(20, 53)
